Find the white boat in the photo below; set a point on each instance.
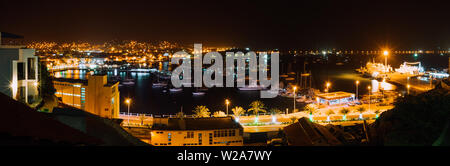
(198, 93)
(159, 84)
(252, 87)
(128, 82)
(175, 89)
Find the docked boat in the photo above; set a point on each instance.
(159, 84)
(128, 82)
(252, 88)
(176, 89)
(198, 93)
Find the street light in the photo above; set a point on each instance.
(357, 83)
(128, 101)
(328, 86)
(295, 88)
(385, 53)
(407, 87)
(369, 96)
(227, 102)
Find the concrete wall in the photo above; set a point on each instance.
(6, 58)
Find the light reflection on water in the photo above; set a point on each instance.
(147, 99)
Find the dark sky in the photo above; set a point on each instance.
(277, 24)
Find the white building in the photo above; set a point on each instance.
(219, 131)
(19, 69)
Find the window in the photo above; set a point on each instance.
(189, 134)
(20, 71)
(200, 138)
(210, 138)
(31, 68)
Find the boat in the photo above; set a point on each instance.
(159, 84)
(251, 88)
(198, 93)
(175, 89)
(128, 82)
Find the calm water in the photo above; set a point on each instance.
(147, 99)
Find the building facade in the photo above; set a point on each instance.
(19, 77)
(94, 94)
(220, 131)
(335, 98)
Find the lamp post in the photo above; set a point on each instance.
(385, 53)
(328, 84)
(227, 102)
(407, 87)
(128, 101)
(295, 88)
(369, 96)
(357, 84)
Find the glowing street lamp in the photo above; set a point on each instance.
(357, 84)
(128, 102)
(328, 84)
(386, 54)
(407, 87)
(369, 96)
(227, 102)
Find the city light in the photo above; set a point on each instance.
(128, 101)
(328, 84)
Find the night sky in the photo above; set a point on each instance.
(274, 24)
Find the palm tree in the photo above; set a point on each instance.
(344, 111)
(330, 112)
(179, 114)
(310, 108)
(361, 110)
(238, 111)
(201, 111)
(219, 114)
(256, 107)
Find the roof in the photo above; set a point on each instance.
(70, 80)
(23, 121)
(10, 35)
(84, 81)
(306, 133)
(335, 95)
(107, 130)
(210, 123)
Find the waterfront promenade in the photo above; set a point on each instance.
(266, 123)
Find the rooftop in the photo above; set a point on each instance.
(82, 81)
(335, 95)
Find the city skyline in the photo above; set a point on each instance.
(284, 25)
